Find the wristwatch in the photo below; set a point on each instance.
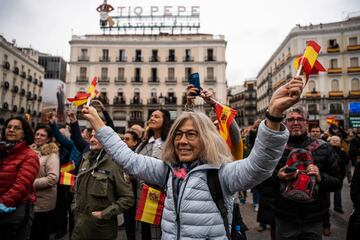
(273, 118)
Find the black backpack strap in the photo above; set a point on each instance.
(218, 197)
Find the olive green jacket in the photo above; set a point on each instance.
(100, 186)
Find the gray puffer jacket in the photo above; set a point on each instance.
(195, 216)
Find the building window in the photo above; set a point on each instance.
(121, 73)
(333, 63)
(83, 72)
(84, 55)
(154, 75)
(334, 85)
(187, 55)
(335, 108)
(333, 43)
(210, 73)
(153, 96)
(121, 57)
(171, 57)
(105, 55)
(104, 74)
(188, 71)
(136, 98)
(154, 56)
(210, 55)
(138, 57)
(171, 74)
(137, 75)
(353, 41)
(311, 86)
(354, 62)
(355, 84)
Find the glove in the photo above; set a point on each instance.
(5, 209)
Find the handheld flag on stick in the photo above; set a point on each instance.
(67, 179)
(332, 121)
(308, 61)
(225, 116)
(68, 167)
(81, 97)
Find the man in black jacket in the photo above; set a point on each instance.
(303, 220)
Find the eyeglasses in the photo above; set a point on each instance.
(299, 120)
(15, 128)
(190, 135)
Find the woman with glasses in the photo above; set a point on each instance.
(193, 147)
(19, 166)
(45, 185)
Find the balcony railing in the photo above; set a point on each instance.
(334, 70)
(154, 80)
(120, 80)
(336, 94)
(170, 100)
(353, 69)
(16, 70)
(104, 59)
(118, 100)
(210, 58)
(188, 59)
(154, 59)
(153, 101)
(29, 78)
(210, 80)
(333, 49)
(312, 94)
(353, 47)
(138, 59)
(335, 111)
(104, 80)
(136, 101)
(355, 93)
(171, 58)
(81, 79)
(136, 80)
(171, 81)
(83, 58)
(6, 65)
(23, 74)
(121, 59)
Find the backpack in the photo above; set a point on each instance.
(303, 188)
(218, 197)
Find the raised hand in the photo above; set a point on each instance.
(208, 97)
(92, 116)
(72, 116)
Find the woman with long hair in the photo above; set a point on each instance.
(192, 148)
(158, 127)
(19, 166)
(45, 183)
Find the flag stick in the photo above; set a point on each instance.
(300, 67)
(88, 101)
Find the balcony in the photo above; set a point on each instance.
(210, 80)
(121, 59)
(83, 58)
(23, 74)
(36, 81)
(136, 118)
(15, 108)
(15, 89)
(188, 59)
(39, 98)
(30, 78)
(119, 101)
(137, 80)
(333, 49)
(22, 92)
(153, 101)
(353, 69)
(136, 101)
(334, 70)
(104, 81)
(138, 59)
(210, 58)
(313, 95)
(104, 59)
(120, 80)
(40, 84)
(6, 85)
(22, 110)
(351, 48)
(354, 94)
(171, 81)
(336, 110)
(154, 81)
(16, 70)
(81, 79)
(170, 100)
(336, 94)
(154, 59)
(6, 65)
(29, 96)
(35, 97)
(171, 58)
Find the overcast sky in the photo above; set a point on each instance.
(253, 29)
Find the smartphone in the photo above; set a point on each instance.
(290, 169)
(194, 80)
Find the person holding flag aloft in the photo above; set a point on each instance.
(192, 148)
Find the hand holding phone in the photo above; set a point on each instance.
(194, 80)
(290, 169)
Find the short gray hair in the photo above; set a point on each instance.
(298, 109)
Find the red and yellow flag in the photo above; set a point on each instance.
(225, 116)
(150, 205)
(81, 98)
(67, 167)
(332, 121)
(67, 179)
(309, 60)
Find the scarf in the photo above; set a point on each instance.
(5, 148)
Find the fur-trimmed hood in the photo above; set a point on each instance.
(46, 149)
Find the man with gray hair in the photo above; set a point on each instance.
(302, 218)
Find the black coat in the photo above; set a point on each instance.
(354, 220)
(326, 160)
(265, 213)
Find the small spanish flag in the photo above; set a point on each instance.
(309, 60)
(81, 98)
(226, 116)
(67, 179)
(150, 205)
(332, 121)
(67, 167)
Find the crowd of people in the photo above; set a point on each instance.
(291, 169)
